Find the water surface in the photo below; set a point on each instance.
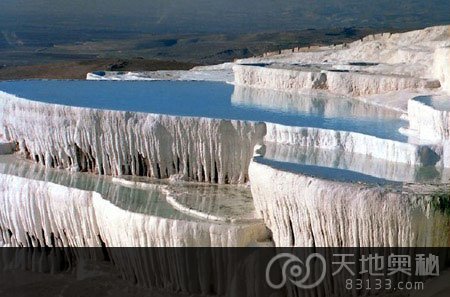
(149, 200)
(437, 102)
(335, 164)
(214, 100)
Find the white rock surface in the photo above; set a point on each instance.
(338, 159)
(352, 142)
(281, 77)
(377, 64)
(118, 143)
(33, 212)
(300, 210)
(307, 211)
(120, 228)
(225, 203)
(441, 66)
(123, 143)
(384, 69)
(428, 121)
(429, 118)
(222, 72)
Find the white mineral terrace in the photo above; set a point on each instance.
(302, 210)
(340, 165)
(345, 145)
(291, 185)
(221, 72)
(377, 64)
(76, 209)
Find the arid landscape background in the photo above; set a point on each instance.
(45, 38)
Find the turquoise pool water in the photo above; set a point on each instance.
(213, 100)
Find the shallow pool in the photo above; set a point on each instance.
(348, 167)
(214, 100)
(215, 200)
(437, 102)
(149, 201)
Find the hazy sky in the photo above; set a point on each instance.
(220, 16)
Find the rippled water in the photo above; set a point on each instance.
(215, 100)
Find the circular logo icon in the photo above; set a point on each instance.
(296, 271)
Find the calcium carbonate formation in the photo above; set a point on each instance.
(377, 64)
(58, 215)
(299, 209)
(307, 211)
(130, 143)
(410, 71)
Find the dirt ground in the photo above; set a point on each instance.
(79, 69)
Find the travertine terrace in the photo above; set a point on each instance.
(405, 75)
